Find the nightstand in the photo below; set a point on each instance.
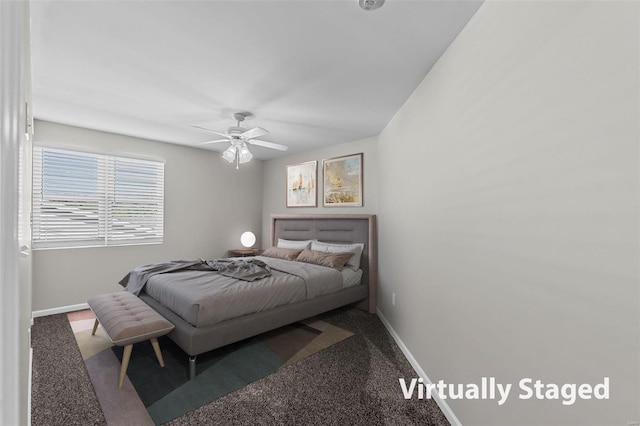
(244, 252)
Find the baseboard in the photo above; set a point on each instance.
(446, 410)
(60, 310)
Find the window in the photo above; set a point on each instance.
(82, 199)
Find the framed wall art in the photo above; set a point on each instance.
(302, 188)
(343, 181)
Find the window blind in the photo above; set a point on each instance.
(84, 199)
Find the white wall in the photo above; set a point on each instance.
(510, 232)
(274, 182)
(208, 204)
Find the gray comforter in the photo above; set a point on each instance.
(241, 269)
(205, 297)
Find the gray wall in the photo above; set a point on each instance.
(274, 182)
(509, 220)
(208, 204)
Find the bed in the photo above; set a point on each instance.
(346, 229)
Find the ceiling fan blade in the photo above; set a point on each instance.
(269, 145)
(209, 130)
(256, 132)
(216, 141)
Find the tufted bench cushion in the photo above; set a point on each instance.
(127, 320)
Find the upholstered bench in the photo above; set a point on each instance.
(128, 320)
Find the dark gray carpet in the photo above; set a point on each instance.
(353, 382)
(61, 392)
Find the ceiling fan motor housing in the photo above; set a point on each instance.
(236, 131)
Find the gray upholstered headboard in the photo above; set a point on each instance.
(335, 229)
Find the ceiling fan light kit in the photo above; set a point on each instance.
(239, 137)
(238, 152)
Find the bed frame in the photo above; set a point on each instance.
(329, 228)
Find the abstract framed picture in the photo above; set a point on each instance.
(302, 187)
(343, 181)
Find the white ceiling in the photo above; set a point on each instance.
(313, 73)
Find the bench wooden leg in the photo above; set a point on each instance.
(156, 348)
(125, 363)
(95, 327)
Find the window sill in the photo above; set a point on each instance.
(97, 246)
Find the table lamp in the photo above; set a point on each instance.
(248, 239)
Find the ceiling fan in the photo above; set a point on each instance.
(239, 137)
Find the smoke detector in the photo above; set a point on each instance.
(371, 4)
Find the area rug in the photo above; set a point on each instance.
(154, 395)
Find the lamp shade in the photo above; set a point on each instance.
(248, 239)
(230, 154)
(245, 154)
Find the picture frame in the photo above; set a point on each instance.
(343, 181)
(302, 184)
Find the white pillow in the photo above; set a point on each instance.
(355, 248)
(294, 244)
